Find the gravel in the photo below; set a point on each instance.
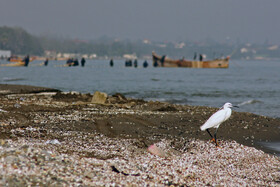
(29, 162)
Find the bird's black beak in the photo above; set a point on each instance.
(236, 106)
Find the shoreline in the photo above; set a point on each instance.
(246, 128)
(45, 122)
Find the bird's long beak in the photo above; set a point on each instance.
(236, 106)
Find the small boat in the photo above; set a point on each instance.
(18, 59)
(13, 64)
(163, 61)
(15, 59)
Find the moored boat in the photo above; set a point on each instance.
(15, 59)
(14, 64)
(163, 61)
(19, 59)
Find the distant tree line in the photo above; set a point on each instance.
(21, 43)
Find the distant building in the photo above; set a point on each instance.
(69, 55)
(50, 54)
(244, 50)
(180, 45)
(84, 56)
(5, 54)
(146, 41)
(272, 48)
(162, 45)
(92, 56)
(130, 56)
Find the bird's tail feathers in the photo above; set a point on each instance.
(202, 127)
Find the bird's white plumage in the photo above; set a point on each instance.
(217, 118)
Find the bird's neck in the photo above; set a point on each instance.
(227, 109)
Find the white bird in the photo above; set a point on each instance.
(217, 119)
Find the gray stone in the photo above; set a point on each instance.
(99, 98)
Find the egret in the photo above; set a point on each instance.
(217, 119)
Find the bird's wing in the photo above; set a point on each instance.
(215, 120)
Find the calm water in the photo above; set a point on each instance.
(253, 85)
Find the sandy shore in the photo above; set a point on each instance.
(54, 138)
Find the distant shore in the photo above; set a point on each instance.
(71, 125)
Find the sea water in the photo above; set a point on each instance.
(253, 85)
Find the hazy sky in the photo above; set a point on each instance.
(161, 20)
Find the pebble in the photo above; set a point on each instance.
(28, 162)
(55, 141)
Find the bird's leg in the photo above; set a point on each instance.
(215, 138)
(212, 140)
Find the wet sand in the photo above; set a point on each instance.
(35, 114)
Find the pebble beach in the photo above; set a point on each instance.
(49, 138)
(197, 163)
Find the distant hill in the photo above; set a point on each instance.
(22, 43)
(19, 41)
